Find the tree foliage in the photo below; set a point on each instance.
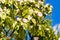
(18, 15)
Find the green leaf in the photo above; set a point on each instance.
(4, 38)
(25, 12)
(34, 21)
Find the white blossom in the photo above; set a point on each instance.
(3, 1)
(18, 19)
(47, 28)
(40, 2)
(25, 20)
(37, 5)
(36, 38)
(31, 26)
(0, 9)
(29, 17)
(35, 11)
(58, 38)
(40, 14)
(20, 1)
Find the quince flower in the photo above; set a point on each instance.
(29, 17)
(18, 18)
(40, 14)
(35, 12)
(0, 9)
(31, 26)
(20, 1)
(58, 38)
(40, 2)
(25, 20)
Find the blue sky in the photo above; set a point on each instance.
(56, 11)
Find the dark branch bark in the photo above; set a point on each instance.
(12, 32)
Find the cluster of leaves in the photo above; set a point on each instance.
(19, 15)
